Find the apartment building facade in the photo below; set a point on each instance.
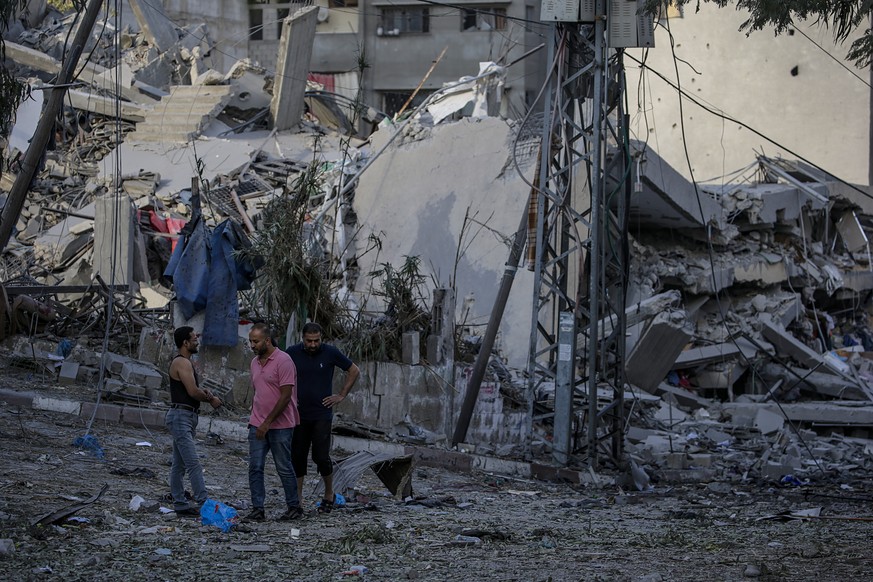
(385, 48)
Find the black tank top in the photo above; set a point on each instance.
(178, 394)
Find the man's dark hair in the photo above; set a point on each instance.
(264, 329)
(311, 327)
(181, 334)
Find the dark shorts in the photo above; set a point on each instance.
(314, 434)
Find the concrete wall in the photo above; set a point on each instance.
(395, 397)
(415, 196)
(822, 113)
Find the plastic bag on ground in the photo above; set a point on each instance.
(216, 513)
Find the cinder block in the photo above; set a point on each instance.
(111, 386)
(150, 417)
(68, 373)
(57, 405)
(15, 398)
(114, 362)
(87, 375)
(775, 471)
(675, 460)
(108, 412)
(411, 348)
(141, 375)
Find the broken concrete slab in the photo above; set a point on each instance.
(653, 356)
(715, 353)
(834, 413)
(295, 53)
(159, 30)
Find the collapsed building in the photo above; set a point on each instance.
(747, 309)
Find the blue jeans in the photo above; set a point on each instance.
(182, 424)
(278, 442)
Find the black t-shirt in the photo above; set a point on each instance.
(315, 378)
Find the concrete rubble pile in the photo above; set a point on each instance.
(149, 123)
(749, 320)
(748, 309)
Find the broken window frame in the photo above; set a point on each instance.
(405, 20)
(484, 18)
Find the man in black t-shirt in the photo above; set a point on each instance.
(315, 363)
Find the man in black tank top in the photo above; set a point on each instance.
(185, 398)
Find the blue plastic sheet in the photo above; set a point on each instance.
(216, 513)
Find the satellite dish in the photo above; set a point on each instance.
(323, 14)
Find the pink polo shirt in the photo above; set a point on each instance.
(278, 370)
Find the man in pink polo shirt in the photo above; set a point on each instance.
(271, 425)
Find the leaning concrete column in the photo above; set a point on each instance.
(113, 239)
(292, 69)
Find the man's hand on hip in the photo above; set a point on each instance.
(332, 400)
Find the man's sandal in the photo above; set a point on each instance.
(326, 506)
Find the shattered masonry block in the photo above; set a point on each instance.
(141, 375)
(114, 362)
(112, 386)
(87, 375)
(84, 356)
(775, 471)
(768, 422)
(68, 373)
(699, 460)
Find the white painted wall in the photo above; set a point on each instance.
(822, 114)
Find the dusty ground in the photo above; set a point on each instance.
(528, 530)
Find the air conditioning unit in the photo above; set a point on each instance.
(323, 14)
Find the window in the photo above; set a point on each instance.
(342, 3)
(483, 18)
(407, 19)
(256, 25)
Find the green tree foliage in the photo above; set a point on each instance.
(11, 89)
(842, 17)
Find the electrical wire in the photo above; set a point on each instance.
(711, 251)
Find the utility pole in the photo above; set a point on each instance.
(36, 149)
(577, 343)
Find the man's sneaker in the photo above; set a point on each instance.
(291, 514)
(188, 512)
(257, 514)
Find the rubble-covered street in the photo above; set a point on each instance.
(455, 526)
(174, 194)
